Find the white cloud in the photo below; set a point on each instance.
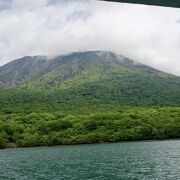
(148, 34)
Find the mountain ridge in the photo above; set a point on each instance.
(92, 76)
(18, 71)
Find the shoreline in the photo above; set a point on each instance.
(131, 141)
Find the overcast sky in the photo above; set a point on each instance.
(148, 34)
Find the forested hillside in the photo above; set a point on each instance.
(94, 76)
(86, 97)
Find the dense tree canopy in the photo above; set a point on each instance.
(98, 124)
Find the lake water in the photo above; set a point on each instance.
(134, 160)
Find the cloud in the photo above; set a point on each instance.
(178, 21)
(4, 4)
(148, 34)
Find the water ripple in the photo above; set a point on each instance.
(158, 160)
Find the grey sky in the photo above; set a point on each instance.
(150, 35)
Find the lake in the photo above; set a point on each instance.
(133, 160)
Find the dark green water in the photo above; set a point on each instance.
(135, 160)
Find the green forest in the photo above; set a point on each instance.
(90, 97)
(23, 125)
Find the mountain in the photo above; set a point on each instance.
(19, 71)
(95, 76)
(85, 97)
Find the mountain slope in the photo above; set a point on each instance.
(106, 77)
(99, 77)
(79, 68)
(19, 70)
